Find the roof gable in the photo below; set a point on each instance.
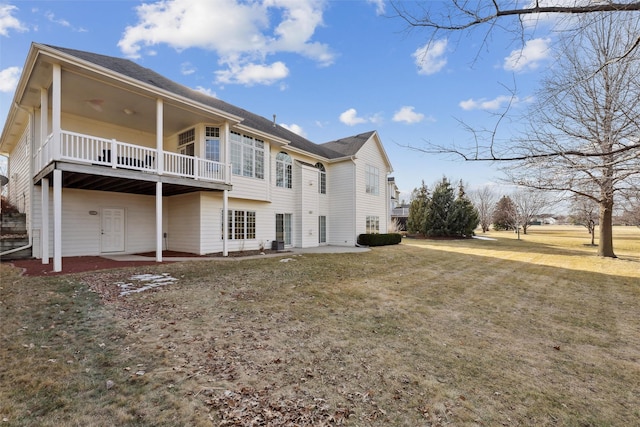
(350, 146)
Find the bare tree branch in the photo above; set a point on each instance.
(474, 17)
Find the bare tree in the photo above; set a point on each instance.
(460, 16)
(583, 132)
(528, 204)
(584, 211)
(484, 199)
(631, 209)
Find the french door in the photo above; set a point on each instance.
(283, 228)
(322, 229)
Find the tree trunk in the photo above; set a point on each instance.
(605, 245)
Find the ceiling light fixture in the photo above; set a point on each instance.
(96, 104)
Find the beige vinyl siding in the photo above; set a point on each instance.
(341, 191)
(184, 223)
(308, 217)
(371, 204)
(210, 222)
(19, 193)
(81, 231)
(107, 130)
(250, 188)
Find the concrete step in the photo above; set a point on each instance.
(8, 243)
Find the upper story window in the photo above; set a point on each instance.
(186, 142)
(283, 170)
(322, 178)
(247, 155)
(372, 180)
(212, 143)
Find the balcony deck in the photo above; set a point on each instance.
(101, 164)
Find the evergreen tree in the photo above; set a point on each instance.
(504, 214)
(438, 209)
(417, 209)
(463, 217)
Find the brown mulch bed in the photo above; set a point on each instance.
(70, 265)
(80, 264)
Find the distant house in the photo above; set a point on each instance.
(108, 157)
(544, 219)
(400, 214)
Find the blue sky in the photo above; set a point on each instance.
(327, 69)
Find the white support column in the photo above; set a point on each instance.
(44, 229)
(159, 135)
(159, 221)
(227, 152)
(44, 115)
(57, 220)
(225, 222)
(56, 108)
(225, 194)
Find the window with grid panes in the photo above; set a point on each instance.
(247, 155)
(283, 170)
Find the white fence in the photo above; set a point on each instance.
(80, 148)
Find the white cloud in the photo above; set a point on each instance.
(407, 115)
(206, 91)
(491, 104)
(239, 32)
(295, 129)
(8, 21)
(430, 57)
(529, 57)
(9, 78)
(251, 74)
(350, 118)
(63, 22)
(52, 18)
(379, 4)
(187, 68)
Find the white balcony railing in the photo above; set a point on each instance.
(80, 148)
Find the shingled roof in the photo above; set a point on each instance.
(330, 150)
(348, 146)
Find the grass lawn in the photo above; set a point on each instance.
(537, 331)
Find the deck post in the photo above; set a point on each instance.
(57, 220)
(44, 230)
(56, 107)
(158, 221)
(44, 123)
(225, 222)
(159, 136)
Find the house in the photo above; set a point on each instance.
(108, 157)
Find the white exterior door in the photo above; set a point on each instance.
(112, 239)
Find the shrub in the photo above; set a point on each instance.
(379, 239)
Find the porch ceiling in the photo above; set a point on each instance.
(97, 97)
(100, 178)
